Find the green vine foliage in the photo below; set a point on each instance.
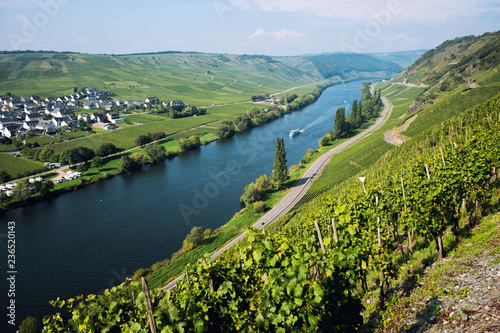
(285, 282)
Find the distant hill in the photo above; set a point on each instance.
(198, 78)
(455, 63)
(344, 66)
(347, 65)
(402, 58)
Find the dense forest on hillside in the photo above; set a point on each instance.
(342, 64)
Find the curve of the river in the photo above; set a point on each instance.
(86, 241)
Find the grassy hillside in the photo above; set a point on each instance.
(196, 78)
(402, 58)
(405, 99)
(199, 79)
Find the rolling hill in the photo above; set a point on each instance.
(198, 78)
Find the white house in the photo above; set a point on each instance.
(33, 117)
(114, 118)
(9, 130)
(85, 117)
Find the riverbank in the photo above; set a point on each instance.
(298, 186)
(139, 220)
(112, 167)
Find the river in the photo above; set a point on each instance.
(85, 241)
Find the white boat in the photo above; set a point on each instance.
(294, 132)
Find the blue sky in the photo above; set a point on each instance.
(272, 27)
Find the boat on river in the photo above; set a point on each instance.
(295, 132)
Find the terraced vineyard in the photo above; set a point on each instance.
(305, 276)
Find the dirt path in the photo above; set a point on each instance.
(394, 136)
(302, 185)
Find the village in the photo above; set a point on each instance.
(37, 116)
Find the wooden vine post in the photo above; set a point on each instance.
(335, 235)
(319, 236)
(147, 297)
(410, 247)
(378, 225)
(382, 278)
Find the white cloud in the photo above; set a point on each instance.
(18, 3)
(280, 34)
(427, 10)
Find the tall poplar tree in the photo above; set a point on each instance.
(280, 172)
(340, 125)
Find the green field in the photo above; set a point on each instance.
(19, 166)
(197, 79)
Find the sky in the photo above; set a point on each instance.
(270, 27)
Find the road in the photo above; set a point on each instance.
(301, 187)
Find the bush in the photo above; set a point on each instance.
(140, 273)
(193, 240)
(191, 143)
(141, 140)
(325, 141)
(259, 206)
(159, 264)
(250, 194)
(82, 167)
(294, 168)
(29, 325)
(106, 149)
(307, 157)
(207, 233)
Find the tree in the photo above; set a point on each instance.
(54, 158)
(207, 233)
(106, 149)
(158, 135)
(4, 177)
(96, 162)
(259, 206)
(82, 167)
(250, 195)
(22, 190)
(141, 140)
(194, 239)
(307, 157)
(325, 141)
(46, 187)
(45, 154)
(340, 125)
(156, 152)
(127, 164)
(139, 159)
(191, 143)
(243, 122)
(290, 98)
(280, 172)
(29, 325)
(83, 154)
(66, 157)
(263, 184)
(225, 130)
